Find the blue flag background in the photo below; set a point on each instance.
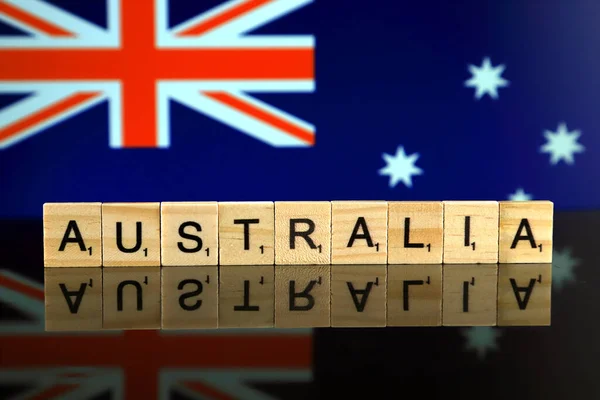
(388, 75)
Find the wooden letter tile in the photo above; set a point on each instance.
(416, 232)
(247, 233)
(73, 299)
(359, 232)
(302, 296)
(303, 232)
(524, 294)
(414, 295)
(131, 298)
(246, 296)
(358, 295)
(131, 234)
(469, 295)
(72, 235)
(190, 297)
(526, 231)
(189, 233)
(470, 232)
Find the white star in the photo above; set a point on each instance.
(562, 144)
(563, 265)
(519, 195)
(481, 339)
(400, 167)
(486, 79)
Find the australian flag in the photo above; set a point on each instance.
(225, 100)
(116, 100)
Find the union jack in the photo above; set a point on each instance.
(138, 63)
(204, 364)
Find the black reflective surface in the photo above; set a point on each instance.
(553, 362)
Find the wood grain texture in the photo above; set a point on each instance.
(302, 296)
(359, 232)
(358, 295)
(246, 296)
(72, 234)
(525, 232)
(415, 232)
(470, 232)
(469, 295)
(73, 299)
(189, 233)
(138, 244)
(131, 298)
(190, 297)
(247, 233)
(414, 295)
(302, 232)
(524, 294)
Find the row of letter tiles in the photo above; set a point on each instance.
(295, 296)
(296, 233)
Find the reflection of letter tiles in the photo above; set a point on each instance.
(470, 232)
(131, 298)
(302, 296)
(358, 295)
(469, 295)
(414, 295)
(416, 232)
(72, 235)
(359, 232)
(189, 233)
(73, 299)
(189, 297)
(131, 234)
(524, 294)
(303, 232)
(246, 233)
(297, 264)
(525, 232)
(246, 296)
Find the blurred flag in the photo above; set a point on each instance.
(138, 63)
(224, 364)
(108, 100)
